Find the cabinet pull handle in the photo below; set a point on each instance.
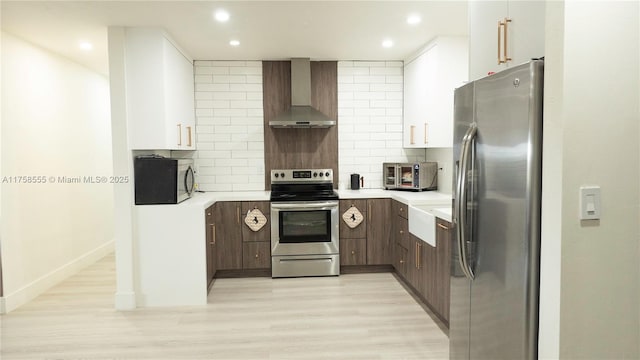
(401, 261)
(502, 41)
(188, 135)
(401, 232)
(238, 215)
(369, 212)
(426, 139)
(499, 43)
(417, 256)
(412, 131)
(506, 28)
(179, 134)
(213, 228)
(257, 255)
(443, 227)
(353, 252)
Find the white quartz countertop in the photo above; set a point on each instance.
(405, 197)
(206, 199)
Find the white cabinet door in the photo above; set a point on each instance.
(419, 97)
(179, 95)
(483, 37)
(160, 92)
(524, 36)
(429, 84)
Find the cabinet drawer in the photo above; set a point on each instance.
(400, 260)
(402, 232)
(400, 209)
(256, 255)
(353, 251)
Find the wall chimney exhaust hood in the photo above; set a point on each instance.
(301, 114)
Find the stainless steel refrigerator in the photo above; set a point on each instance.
(496, 251)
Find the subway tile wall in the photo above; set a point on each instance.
(229, 125)
(370, 120)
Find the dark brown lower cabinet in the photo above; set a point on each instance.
(210, 244)
(256, 255)
(443, 266)
(228, 234)
(400, 257)
(353, 251)
(378, 232)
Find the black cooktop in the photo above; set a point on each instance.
(303, 192)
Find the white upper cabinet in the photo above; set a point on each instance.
(503, 34)
(429, 82)
(160, 92)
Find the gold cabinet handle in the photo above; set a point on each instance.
(499, 43)
(257, 256)
(238, 215)
(401, 261)
(353, 252)
(412, 130)
(369, 211)
(179, 134)
(213, 228)
(506, 28)
(401, 232)
(443, 227)
(426, 139)
(401, 209)
(188, 135)
(502, 41)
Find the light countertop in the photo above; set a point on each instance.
(206, 199)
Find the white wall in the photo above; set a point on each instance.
(444, 158)
(370, 120)
(55, 123)
(594, 108)
(229, 125)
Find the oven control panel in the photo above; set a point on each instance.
(302, 176)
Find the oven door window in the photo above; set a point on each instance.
(305, 226)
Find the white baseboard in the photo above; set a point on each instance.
(30, 291)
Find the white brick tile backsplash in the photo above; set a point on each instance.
(229, 131)
(370, 119)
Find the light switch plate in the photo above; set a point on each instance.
(590, 203)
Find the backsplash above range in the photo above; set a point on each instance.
(230, 123)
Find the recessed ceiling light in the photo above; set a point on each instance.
(222, 16)
(387, 43)
(413, 19)
(234, 42)
(86, 46)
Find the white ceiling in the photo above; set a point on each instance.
(321, 30)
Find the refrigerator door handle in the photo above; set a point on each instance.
(461, 198)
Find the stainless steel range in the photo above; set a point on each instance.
(304, 223)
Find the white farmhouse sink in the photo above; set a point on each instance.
(422, 220)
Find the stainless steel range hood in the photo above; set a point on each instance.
(301, 114)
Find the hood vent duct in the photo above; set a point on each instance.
(301, 114)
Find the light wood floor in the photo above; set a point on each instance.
(363, 316)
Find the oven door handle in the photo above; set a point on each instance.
(328, 205)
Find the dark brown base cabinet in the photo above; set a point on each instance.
(369, 242)
(424, 267)
(210, 244)
(238, 247)
(382, 239)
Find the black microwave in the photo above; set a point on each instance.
(160, 180)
